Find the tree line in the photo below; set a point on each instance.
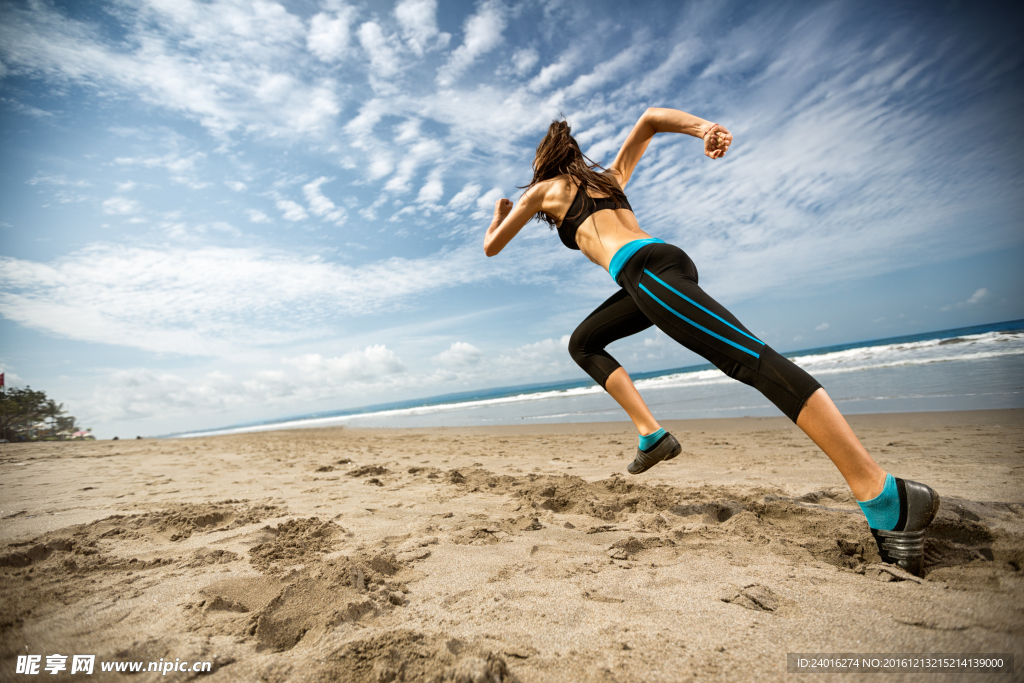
(28, 415)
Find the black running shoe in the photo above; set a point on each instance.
(665, 449)
(904, 545)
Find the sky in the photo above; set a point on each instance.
(216, 211)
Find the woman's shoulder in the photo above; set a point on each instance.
(558, 184)
(614, 175)
(551, 190)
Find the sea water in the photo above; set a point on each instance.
(963, 369)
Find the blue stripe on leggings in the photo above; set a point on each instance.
(680, 294)
(699, 327)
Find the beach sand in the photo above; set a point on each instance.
(504, 553)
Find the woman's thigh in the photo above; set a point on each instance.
(618, 317)
(664, 286)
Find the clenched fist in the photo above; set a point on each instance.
(501, 208)
(716, 141)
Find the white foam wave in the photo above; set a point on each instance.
(957, 349)
(303, 423)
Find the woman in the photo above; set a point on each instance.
(659, 287)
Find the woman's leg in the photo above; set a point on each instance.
(822, 421)
(616, 318)
(620, 386)
(664, 285)
(819, 419)
(685, 312)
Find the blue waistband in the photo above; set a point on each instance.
(626, 252)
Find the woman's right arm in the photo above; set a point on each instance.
(658, 120)
(509, 219)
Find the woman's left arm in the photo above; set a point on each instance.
(509, 220)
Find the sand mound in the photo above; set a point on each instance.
(404, 655)
(821, 525)
(294, 542)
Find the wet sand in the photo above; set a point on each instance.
(504, 553)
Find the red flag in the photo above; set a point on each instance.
(1, 380)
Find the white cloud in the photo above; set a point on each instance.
(63, 191)
(552, 73)
(627, 61)
(184, 231)
(380, 50)
(257, 216)
(11, 379)
(821, 328)
(485, 204)
(370, 114)
(464, 197)
(291, 211)
(45, 179)
(320, 205)
(120, 206)
(458, 355)
(329, 34)
(182, 169)
(140, 393)
(976, 298)
(482, 33)
(432, 190)
(418, 19)
(215, 301)
(357, 366)
(524, 59)
(409, 130)
(21, 107)
(210, 61)
(236, 185)
(423, 151)
(547, 358)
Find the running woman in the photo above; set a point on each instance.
(658, 286)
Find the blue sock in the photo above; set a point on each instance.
(647, 441)
(883, 511)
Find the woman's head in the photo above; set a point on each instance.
(558, 154)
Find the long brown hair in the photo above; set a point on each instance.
(558, 154)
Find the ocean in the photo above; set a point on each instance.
(970, 368)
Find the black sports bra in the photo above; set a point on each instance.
(572, 222)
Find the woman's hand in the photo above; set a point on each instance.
(501, 209)
(716, 141)
(509, 219)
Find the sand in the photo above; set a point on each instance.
(504, 553)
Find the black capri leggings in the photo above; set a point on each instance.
(659, 287)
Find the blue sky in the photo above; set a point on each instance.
(219, 211)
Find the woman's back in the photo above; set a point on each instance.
(603, 230)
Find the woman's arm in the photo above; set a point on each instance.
(658, 120)
(509, 220)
